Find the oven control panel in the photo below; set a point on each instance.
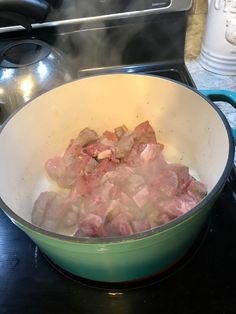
(71, 12)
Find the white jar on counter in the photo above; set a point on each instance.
(218, 51)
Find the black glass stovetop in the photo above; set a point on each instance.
(204, 281)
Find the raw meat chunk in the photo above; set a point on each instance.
(117, 185)
(197, 190)
(91, 226)
(111, 136)
(141, 225)
(66, 171)
(183, 176)
(120, 131)
(104, 166)
(165, 184)
(120, 225)
(151, 152)
(123, 146)
(42, 203)
(56, 213)
(147, 156)
(86, 136)
(144, 133)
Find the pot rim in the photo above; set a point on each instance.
(116, 239)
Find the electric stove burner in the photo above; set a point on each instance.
(142, 282)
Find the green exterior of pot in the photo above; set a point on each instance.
(150, 252)
(126, 260)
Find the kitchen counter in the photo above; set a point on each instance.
(207, 80)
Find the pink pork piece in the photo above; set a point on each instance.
(90, 226)
(197, 190)
(55, 212)
(183, 176)
(144, 133)
(98, 149)
(64, 170)
(120, 225)
(110, 136)
(116, 185)
(120, 131)
(85, 137)
(165, 184)
(141, 225)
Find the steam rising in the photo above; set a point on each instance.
(101, 43)
(91, 44)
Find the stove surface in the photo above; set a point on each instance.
(176, 71)
(204, 281)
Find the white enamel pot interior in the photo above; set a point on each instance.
(193, 131)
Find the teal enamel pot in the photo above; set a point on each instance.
(190, 126)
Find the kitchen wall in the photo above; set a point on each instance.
(196, 22)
